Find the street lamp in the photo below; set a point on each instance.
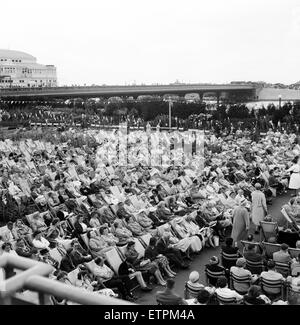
(279, 100)
(169, 100)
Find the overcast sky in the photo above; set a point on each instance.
(157, 41)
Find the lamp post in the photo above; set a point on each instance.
(170, 112)
(279, 101)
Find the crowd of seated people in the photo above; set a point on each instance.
(78, 210)
(261, 273)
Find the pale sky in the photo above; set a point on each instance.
(158, 41)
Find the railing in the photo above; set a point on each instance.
(34, 278)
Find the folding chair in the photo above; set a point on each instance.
(254, 267)
(235, 280)
(213, 276)
(226, 301)
(272, 288)
(122, 251)
(282, 268)
(270, 248)
(189, 292)
(268, 229)
(228, 260)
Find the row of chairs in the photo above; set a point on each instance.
(229, 260)
(272, 288)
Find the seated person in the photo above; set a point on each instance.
(44, 256)
(239, 271)
(23, 250)
(152, 254)
(39, 241)
(193, 286)
(134, 227)
(223, 291)
(194, 241)
(154, 218)
(80, 226)
(20, 230)
(163, 213)
(126, 269)
(203, 298)
(95, 220)
(37, 222)
(143, 264)
(270, 275)
(77, 254)
(121, 211)
(253, 256)
(168, 296)
(108, 236)
(229, 249)
(107, 279)
(214, 268)
(255, 297)
(283, 255)
(144, 221)
(123, 234)
(97, 245)
(7, 233)
(106, 216)
(166, 248)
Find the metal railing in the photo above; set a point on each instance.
(34, 278)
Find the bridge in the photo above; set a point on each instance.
(227, 90)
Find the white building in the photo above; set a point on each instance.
(20, 70)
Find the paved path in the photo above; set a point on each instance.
(200, 261)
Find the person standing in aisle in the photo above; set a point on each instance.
(258, 207)
(241, 222)
(294, 183)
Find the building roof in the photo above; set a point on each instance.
(10, 54)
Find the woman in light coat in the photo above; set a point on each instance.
(258, 207)
(241, 222)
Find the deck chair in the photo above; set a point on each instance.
(72, 276)
(85, 240)
(139, 247)
(289, 220)
(246, 243)
(54, 253)
(270, 248)
(268, 229)
(114, 259)
(145, 239)
(294, 252)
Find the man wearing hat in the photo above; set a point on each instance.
(241, 222)
(259, 206)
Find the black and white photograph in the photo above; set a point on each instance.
(150, 155)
